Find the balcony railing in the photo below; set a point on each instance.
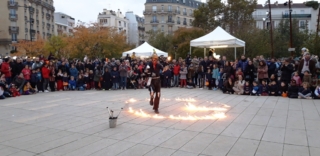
(13, 29)
(178, 12)
(31, 9)
(13, 17)
(48, 16)
(32, 31)
(154, 21)
(170, 21)
(37, 1)
(184, 23)
(47, 5)
(297, 15)
(12, 5)
(178, 22)
(167, 11)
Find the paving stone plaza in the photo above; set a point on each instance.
(75, 123)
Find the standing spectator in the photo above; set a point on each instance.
(183, 76)
(249, 72)
(73, 71)
(17, 67)
(228, 70)
(46, 75)
(243, 63)
(307, 64)
(176, 70)
(52, 79)
(222, 62)
(123, 69)
(167, 77)
(26, 73)
(262, 71)
(37, 64)
(6, 70)
(286, 71)
(106, 79)
(115, 78)
(272, 67)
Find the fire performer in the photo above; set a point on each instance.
(154, 83)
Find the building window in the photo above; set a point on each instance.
(125, 24)
(119, 23)
(154, 18)
(169, 8)
(14, 37)
(162, 28)
(12, 12)
(184, 11)
(162, 7)
(154, 28)
(162, 19)
(302, 24)
(154, 8)
(169, 18)
(302, 11)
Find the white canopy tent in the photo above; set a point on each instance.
(145, 50)
(218, 38)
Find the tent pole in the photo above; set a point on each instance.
(190, 51)
(204, 52)
(244, 50)
(235, 53)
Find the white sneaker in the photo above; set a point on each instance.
(46, 91)
(39, 91)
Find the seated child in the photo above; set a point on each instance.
(247, 88)
(65, 80)
(264, 88)
(293, 89)
(238, 87)
(256, 90)
(27, 89)
(304, 91)
(283, 90)
(72, 83)
(297, 78)
(14, 90)
(190, 84)
(317, 92)
(273, 88)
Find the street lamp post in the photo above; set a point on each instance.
(269, 16)
(175, 52)
(289, 3)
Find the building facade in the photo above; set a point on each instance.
(24, 20)
(141, 29)
(306, 16)
(64, 24)
(169, 15)
(133, 34)
(110, 18)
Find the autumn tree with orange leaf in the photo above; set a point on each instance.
(30, 48)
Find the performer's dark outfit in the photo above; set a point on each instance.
(155, 86)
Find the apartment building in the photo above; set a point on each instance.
(169, 15)
(24, 20)
(141, 29)
(64, 23)
(306, 16)
(114, 19)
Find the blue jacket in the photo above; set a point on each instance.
(39, 77)
(73, 72)
(215, 73)
(257, 89)
(115, 76)
(72, 83)
(242, 65)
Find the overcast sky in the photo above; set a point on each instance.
(88, 10)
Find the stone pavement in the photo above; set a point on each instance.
(75, 123)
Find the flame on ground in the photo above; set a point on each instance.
(192, 107)
(141, 113)
(187, 99)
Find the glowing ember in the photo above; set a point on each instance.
(187, 99)
(132, 100)
(196, 108)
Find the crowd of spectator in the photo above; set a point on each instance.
(293, 78)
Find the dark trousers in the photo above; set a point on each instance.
(40, 86)
(52, 85)
(167, 82)
(154, 89)
(214, 85)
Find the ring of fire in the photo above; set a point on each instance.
(218, 111)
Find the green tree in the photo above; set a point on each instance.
(56, 45)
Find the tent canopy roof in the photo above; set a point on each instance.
(145, 50)
(218, 38)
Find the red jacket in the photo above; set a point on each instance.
(176, 69)
(45, 72)
(5, 69)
